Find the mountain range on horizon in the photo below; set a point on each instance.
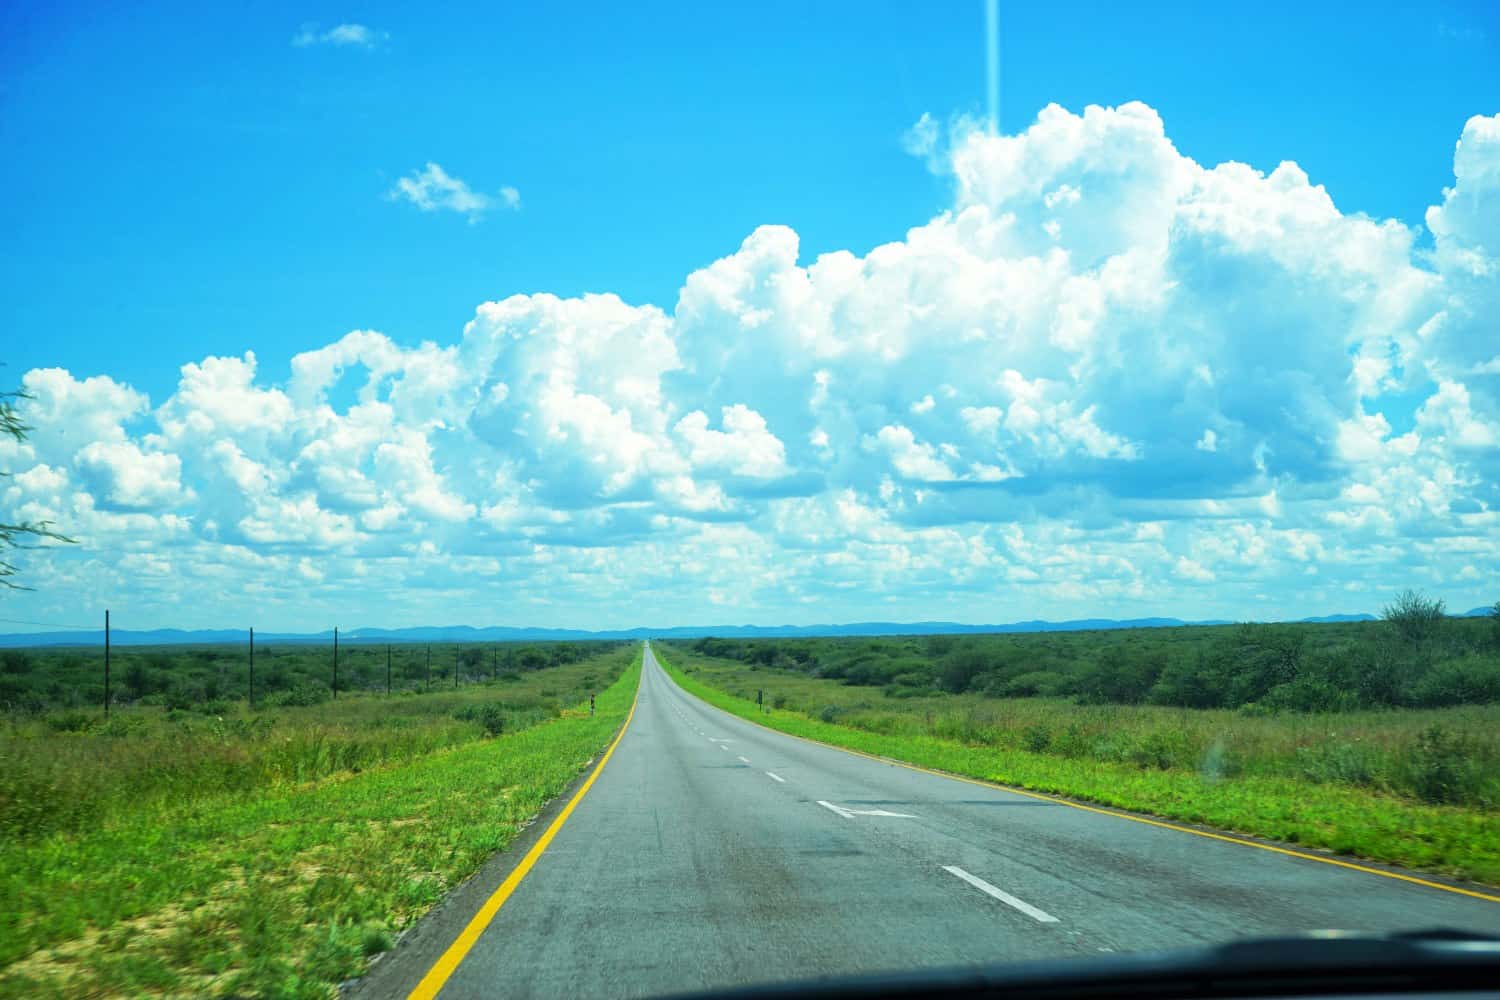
(470, 633)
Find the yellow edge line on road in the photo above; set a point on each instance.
(1110, 812)
(444, 967)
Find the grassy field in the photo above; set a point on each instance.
(1416, 787)
(271, 852)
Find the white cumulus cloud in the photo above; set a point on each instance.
(1106, 379)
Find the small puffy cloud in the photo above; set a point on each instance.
(433, 189)
(745, 447)
(910, 458)
(123, 477)
(356, 36)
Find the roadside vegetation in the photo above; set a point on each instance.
(1414, 658)
(1380, 777)
(210, 679)
(224, 850)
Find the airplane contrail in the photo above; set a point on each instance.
(992, 31)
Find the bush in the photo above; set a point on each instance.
(829, 713)
(1414, 615)
(960, 667)
(1305, 694)
(14, 661)
(184, 695)
(1190, 685)
(1473, 680)
(70, 722)
(1158, 750)
(1443, 768)
(1342, 762)
(491, 717)
(1118, 677)
(304, 694)
(1036, 739)
(899, 690)
(1044, 683)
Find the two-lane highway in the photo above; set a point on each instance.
(710, 852)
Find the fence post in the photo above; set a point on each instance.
(387, 670)
(455, 669)
(495, 664)
(252, 666)
(335, 661)
(429, 668)
(106, 661)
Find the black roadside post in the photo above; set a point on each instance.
(495, 664)
(455, 670)
(591, 703)
(106, 661)
(388, 670)
(251, 700)
(760, 701)
(429, 668)
(335, 661)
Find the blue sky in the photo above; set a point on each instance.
(180, 174)
(189, 183)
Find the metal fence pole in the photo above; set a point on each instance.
(335, 661)
(429, 668)
(388, 670)
(252, 666)
(106, 661)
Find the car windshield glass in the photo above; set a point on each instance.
(613, 499)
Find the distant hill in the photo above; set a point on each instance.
(468, 633)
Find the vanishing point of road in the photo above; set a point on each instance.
(709, 852)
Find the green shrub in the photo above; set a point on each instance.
(1473, 680)
(15, 661)
(70, 722)
(375, 941)
(490, 717)
(1342, 762)
(1442, 767)
(1036, 739)
(1414, 616)
(184, 694)
(304, 694)
(1159, 750)
(1044, 683)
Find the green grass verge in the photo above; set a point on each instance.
(285, 891)
(1451, 840)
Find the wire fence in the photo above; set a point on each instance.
(283, 671)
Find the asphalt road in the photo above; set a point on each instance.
(710, 853)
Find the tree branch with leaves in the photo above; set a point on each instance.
(26, 533)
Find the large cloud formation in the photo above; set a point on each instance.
(1107, 380)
